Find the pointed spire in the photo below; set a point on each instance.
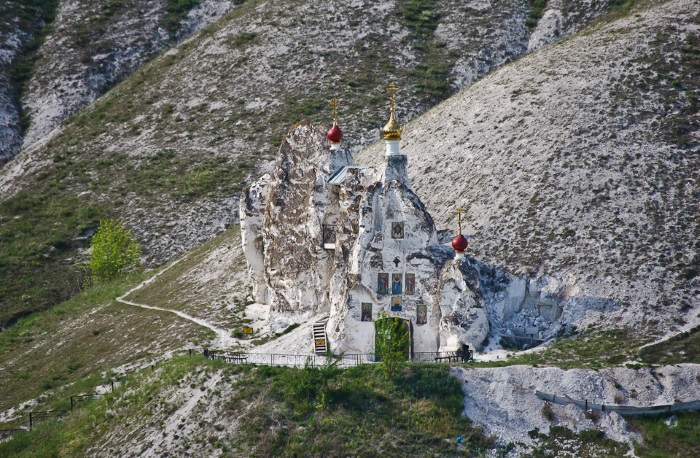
(392, 129)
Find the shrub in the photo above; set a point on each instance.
(114, 252)
(391, 344)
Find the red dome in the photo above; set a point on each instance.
(335, 134)
(460, 243)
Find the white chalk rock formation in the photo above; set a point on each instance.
(323, 235)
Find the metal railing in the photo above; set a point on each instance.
(344, 360)
(622, 410)
(276, 359)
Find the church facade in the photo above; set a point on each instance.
(351, 245)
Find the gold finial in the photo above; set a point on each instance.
(392, 129)
(334, 102)
(392, 90)
(459, 212)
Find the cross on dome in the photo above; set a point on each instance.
(460, 242)
(334, 134)
(392, 129)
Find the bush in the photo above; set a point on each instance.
(114, 254)
(391, 344)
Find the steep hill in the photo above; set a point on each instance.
(580, 163)
(170, 147)
(60, 55)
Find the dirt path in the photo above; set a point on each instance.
(223, 338)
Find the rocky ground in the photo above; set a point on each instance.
(503, 399)
(82, 52)
(577, 164)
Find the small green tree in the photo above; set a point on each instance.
(114, 252)
(391, 344)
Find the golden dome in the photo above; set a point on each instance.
(392, 129)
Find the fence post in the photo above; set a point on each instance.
(71, 403)
(30, 422)
(112, 382)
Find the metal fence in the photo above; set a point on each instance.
(622, 410)
(41, 415)
(344, 360)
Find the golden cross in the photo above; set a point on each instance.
(334, 102)
(392, 89)
(459, 212)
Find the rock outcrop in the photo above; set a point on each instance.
(323, 235)
(91, 47)
(503, 400)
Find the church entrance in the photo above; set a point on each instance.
(393, 336)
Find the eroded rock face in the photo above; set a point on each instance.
(562, 18)
(503, 400)
(377, 256)
(92, 47)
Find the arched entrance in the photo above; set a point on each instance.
(393, 334)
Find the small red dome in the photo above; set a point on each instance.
(460, 243)
(335, 134)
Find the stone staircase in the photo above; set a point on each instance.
(319, 335)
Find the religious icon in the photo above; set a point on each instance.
(396, 304)
(366, 312)
(410, 283)
(382, 283)
(396, 284)
(397, 230)
(421, 314)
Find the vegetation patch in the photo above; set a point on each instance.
(561, 441)
(311, 412)
(84, 337)
(354, 412)
(432, 72)
(663, 438)
(176, 11)
(683, 348)
(536, 13)
(587, 350)
(40, 233)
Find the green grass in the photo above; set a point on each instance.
(661, 441)
(683, 348)
(536, 13)
(78, 431)
(38, 232)
(592, 350)
(83, 337)
(293, 412)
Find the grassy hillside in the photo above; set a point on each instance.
(84, 337)
(92, 333)
(189, 405)
(170, 147)
(265, 412)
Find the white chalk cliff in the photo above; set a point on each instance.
(322, 235)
